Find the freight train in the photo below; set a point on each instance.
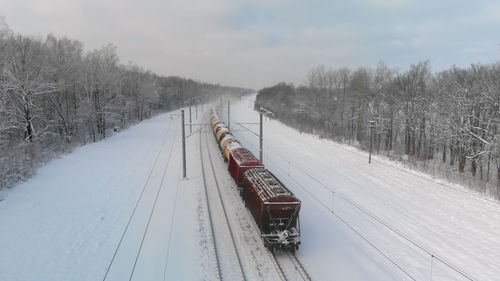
(274, 207)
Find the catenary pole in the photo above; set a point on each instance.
(190, 121)
(260, 139)
(183, 146)
(372, 125)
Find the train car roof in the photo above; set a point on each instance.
(243, 156)
(268, 186)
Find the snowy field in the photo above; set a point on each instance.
(119, 210)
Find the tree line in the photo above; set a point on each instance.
(54, 95)
(447, 119)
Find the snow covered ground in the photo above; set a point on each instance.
(67, 222)
(119, 210)
(457, 227)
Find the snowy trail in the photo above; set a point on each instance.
(461, 228)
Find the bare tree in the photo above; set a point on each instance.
(24, 83)
(418, 114)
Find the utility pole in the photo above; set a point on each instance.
(228, 115)
(260, 138)
(221, 108)
(372, 125)
(196, 105)
(190, 122)
(183, 146)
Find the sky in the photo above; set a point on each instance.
(258, 43)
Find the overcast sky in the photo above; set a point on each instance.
(256, 43)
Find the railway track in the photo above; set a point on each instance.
(287, 266)
(290, 267)
(140, 201)
(224, 270)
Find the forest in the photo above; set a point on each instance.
(444, 123)
(55, 96)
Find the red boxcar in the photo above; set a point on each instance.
(240, 160)
(274, 208)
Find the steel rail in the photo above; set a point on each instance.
(217, 185)
(212, 232)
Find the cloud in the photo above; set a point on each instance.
(388, 3)
(490, 14)
(260, 42)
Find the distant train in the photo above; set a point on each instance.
(274, 207)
